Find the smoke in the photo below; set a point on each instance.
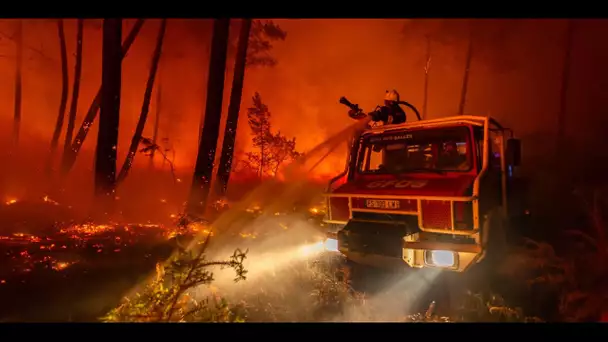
(281, 274)
(319, 61)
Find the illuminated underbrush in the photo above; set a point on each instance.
(279, 279)
(288, 278)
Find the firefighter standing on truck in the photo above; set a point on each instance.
(388, 114)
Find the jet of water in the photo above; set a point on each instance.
(268, 193)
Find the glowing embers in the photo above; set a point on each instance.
(444, 259)
(316, 211)
(87, 229)
(61, 265)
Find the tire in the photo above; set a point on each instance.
(496, 227)
(483, 277)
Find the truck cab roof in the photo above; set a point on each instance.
(441, 122)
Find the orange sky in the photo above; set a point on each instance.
(319, 61)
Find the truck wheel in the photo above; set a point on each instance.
(496, 242)
(482, 277)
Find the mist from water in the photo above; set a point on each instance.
(283, 257)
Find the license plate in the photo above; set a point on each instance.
(382, 204)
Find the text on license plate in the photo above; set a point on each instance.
(381, 204)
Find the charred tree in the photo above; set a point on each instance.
(107, 140)
(75, 87)
(563, 96)
(486, 41)
(64, 92)
(156, 122)
(18, 81)
(141, 124)
(203, 170)
(465, 76)
(69, 156)
(427, 69)
(258, 117)
(236, 94)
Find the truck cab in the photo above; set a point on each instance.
(430, 193)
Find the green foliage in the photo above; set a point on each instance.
(170, 297)
(476, 309)
(302, 292)
(585, 294)
(274, 149)
(494, 309)
(330, 289)
(577, 277)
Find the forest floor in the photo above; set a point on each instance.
(78, 272)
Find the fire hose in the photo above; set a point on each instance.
(358, 114)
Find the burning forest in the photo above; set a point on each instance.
(313, 170)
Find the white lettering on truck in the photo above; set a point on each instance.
(399, 184)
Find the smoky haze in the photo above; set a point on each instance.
(320, 60)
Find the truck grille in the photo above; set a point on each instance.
(436, 214)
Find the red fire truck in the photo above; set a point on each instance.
(429, 193)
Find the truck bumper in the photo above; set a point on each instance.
(454, 257)
(449, 256)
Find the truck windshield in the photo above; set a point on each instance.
(428, 150)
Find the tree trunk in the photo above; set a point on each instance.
(156, 121)
(70, 157)
(107, 140)
(64, 94)
(563, 96)
(223, 173)
(141, 124)
(262, 161)
(202, 118)
(465, 77)
(75, 87)
(18, 85)
(203, 170)
(427, 69)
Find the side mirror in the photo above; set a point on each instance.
(513, 152)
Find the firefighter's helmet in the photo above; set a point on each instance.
(391, 95)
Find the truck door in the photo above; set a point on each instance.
(490, 194)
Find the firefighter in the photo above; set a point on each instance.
(450, 158)
(390, 113)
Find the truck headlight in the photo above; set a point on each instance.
(331, 245)
(444, 259)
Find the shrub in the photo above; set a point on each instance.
(169, 297)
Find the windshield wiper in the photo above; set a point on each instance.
(417, 169)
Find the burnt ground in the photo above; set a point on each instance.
(69, 278)
(82, 292)
(85, 291)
